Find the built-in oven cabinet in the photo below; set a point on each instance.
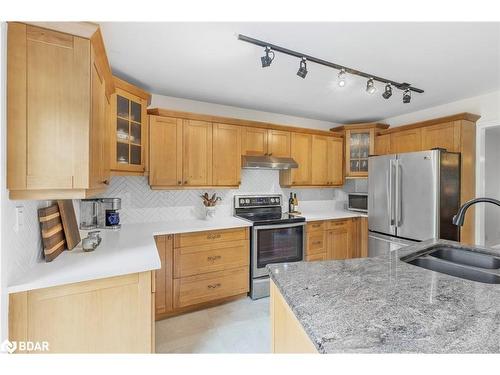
(201, 269)
(337, 239)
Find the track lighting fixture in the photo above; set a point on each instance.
(387, 91)
(341, 77)
(268, 59)
(370, 86)
(406, 96)
(343, 71)
(302, 72)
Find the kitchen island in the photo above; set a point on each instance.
(381, 305)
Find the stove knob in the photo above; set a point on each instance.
(247, 201)
(272, 200)
(277, 200)
(242, 201)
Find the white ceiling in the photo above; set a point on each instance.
(206, 62)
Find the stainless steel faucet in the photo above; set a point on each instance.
(458, 219)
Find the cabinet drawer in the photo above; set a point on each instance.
(338, 224)
(314, 257)
(315, 243)
(315, 226)
(208, 237)
(220, 256)
(208, 287)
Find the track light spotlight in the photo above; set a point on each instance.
(370, 86)
(341, 77)
(268, 59)
(407, 96)
(387, 91)
(302, 72)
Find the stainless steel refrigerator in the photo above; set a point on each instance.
(412, 197)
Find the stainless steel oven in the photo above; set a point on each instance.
(276, 237)
(276, 244)
(358, 202)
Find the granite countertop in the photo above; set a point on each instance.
(384, 305)
(131, 249)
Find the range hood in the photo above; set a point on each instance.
(267, 162)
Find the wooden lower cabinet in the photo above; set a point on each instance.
(287, 334)
(337, 239)
(111, 315)
(200, 269)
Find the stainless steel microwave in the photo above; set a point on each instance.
(358, 202)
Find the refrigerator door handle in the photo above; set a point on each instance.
(399, 194)
(391, 192)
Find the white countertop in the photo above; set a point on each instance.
(330, 215)
(132, 249)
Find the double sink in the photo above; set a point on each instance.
(475, 265)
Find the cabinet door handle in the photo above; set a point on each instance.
(179, 182)
(271, 154)
(316, 242)
(185, 182)
(106, 182)
(213, 286)
(214, 258)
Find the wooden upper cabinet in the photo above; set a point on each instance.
(99, 155)
(335, 153)
(320, 155)
(446, 135)
(406, 141)
(382, 144)
(197, 153)
(278, 143)
(129, 130)
(165, 151)
(327, 161)
(301, 152)
(254, 141)
(226, 155)
(359, 144)
(56, 113)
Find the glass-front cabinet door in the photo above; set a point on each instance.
(359, 145)
(129, 133)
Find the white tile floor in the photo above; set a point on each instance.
(241, 326)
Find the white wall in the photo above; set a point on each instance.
(488, 107)
(169, 102)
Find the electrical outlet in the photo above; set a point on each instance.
(19, 218)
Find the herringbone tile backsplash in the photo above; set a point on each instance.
(141, 204)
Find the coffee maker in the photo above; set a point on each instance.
(100, 213)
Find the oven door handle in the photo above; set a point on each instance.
(278, 226)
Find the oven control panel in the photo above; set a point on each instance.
(246, 201)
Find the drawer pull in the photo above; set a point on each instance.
(214, 258)
(213, 286)
(213, 236)
(316, 243)
(341, 223)
(316, 225)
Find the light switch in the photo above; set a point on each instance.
(19, 218)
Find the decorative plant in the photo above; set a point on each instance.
(210, 201)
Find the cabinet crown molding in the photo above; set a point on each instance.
(360, 126)
(464, 116)
(162, 112)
